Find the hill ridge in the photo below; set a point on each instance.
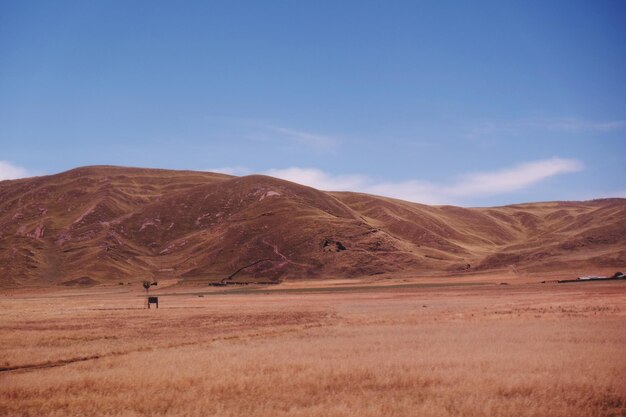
(108, 224)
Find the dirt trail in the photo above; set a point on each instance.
(64, 362)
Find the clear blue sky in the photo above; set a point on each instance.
(470, 103)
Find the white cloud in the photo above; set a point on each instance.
(319, 179)
(8, 171)
(412, 190)
(236, 170)
(512, 179)
(471, 185)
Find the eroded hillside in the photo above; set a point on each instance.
(110, 224)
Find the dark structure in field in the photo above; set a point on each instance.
(153, 300)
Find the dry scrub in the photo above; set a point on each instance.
(516, 351)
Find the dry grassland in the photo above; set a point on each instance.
(518, 350)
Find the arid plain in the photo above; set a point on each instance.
(429, 347)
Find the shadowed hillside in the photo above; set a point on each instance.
(109, 224)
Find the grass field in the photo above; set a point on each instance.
(409, 350)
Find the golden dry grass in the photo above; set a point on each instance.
(527, 350)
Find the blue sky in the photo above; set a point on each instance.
(468, 103)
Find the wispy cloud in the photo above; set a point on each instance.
(9, 171)
(314, 140)
(570, 125)
(511, 179)
(578, 125)
(471, 185)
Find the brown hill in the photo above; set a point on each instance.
(110, 224)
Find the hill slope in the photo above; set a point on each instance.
(108, 224)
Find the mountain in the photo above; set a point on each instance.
(105, 224)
